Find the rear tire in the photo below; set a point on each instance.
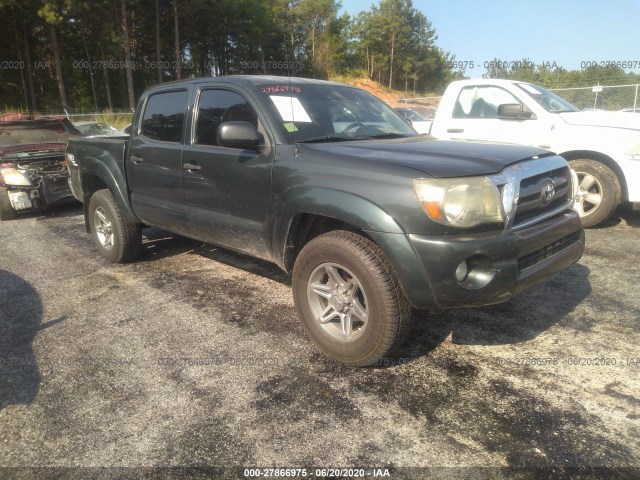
(118, 238)
(349, 298)
(6, 210)
(599, 191)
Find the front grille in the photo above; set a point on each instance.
(540, 255)
(532, 203)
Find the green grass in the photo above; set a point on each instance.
(118, 121)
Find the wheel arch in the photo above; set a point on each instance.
(304, 227)
(604, 159)
(303, 217)
(306, 212)
(97, 176)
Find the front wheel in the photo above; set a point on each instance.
(6, 209)
(349, 298)
(118, 238)
(599, 191)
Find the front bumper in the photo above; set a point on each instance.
(28, 198)
(506, 263)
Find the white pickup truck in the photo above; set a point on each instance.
(602, 147)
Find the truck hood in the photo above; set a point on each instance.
(627, 120)
(437, 158)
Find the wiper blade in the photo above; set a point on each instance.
(391, 135)
(332, 139)
(351, 138)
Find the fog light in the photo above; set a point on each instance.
(475, 272)
(462, 271)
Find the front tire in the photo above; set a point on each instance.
(6, 209)
(599, 192)
(349, 298)
(118, 238)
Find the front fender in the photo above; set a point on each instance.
(343, 206)
(362, 214)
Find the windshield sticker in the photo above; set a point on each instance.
(290, 109)
(281, 89)
(290, 127)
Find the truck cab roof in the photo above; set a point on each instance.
(246, 80)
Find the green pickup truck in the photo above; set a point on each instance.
(332, 185)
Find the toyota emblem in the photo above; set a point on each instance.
(548, 192)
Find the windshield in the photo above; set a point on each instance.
(548, 100)
(328, 112)
(91, 129)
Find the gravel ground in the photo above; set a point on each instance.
(194, 357)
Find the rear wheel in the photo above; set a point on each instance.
(6, 209)
(599, 191)
(118, 238)
(349, 298)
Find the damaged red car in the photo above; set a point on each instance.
(33, 170)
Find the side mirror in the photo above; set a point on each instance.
(513, 111)
(238, 135)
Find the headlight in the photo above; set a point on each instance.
(460, 202)
(634, 153)
(13, 177)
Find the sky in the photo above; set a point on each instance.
(568, 32)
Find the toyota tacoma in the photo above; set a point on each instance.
(336, 188)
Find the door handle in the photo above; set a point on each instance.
(192, 167)
(136, 160)
(455, 130)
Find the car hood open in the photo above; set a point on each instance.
(32, 135)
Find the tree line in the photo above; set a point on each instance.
(103, 53)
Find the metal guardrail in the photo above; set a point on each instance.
(79, 113)
(122, 115)
(425, 106)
